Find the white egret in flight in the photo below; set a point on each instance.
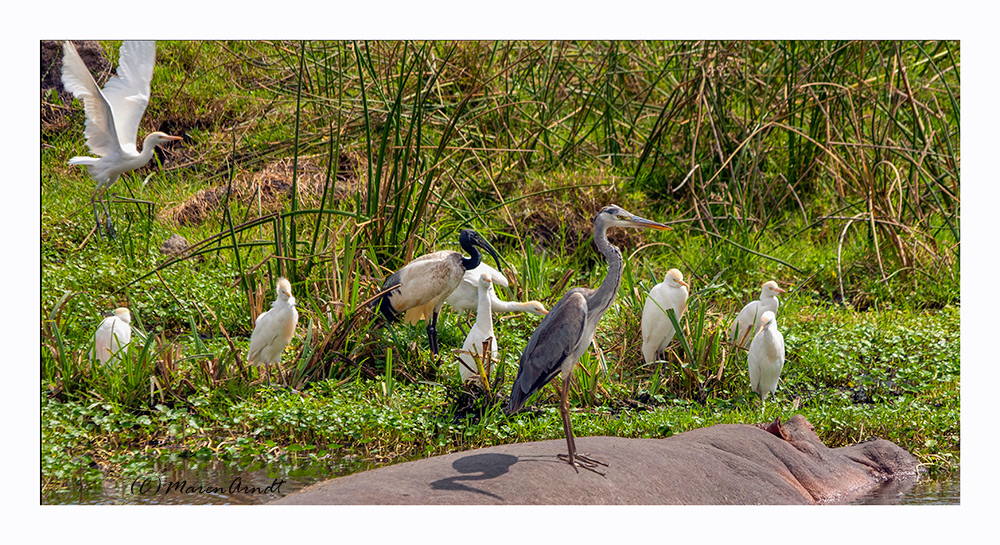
(113, 116)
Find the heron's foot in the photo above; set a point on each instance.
(110, 228)
(584, 461)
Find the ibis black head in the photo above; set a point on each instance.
(469, 239)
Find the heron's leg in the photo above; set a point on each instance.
(576, 460)
(567, 423)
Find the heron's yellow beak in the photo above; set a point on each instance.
(643, 222)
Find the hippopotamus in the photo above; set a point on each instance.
(722, 464)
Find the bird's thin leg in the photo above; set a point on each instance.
(107, 218)
(98, 196)
(574, 459)
(97, 217)
(432, 333)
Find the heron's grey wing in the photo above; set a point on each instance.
(551, 343)
(102, 137)
(128, 91)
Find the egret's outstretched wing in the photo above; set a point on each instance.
(102, 136)
(472, 276)
(552, 342)
(128, 91)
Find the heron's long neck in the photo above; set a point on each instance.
(605, 294)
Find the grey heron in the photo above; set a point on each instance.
(423, 284)
(481, 332)
(568, 329)
(766, 356)
(750, 317)
(657, 329)
(113, 116)
(112, 336)
(466, 295)
(274, 328)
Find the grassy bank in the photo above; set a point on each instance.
(831, 167)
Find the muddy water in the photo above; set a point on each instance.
(217, 483)
(942, 491)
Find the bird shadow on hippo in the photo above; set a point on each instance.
(722, 464)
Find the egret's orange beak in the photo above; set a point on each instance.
(779, 290)
(173, 138)
(683, 283)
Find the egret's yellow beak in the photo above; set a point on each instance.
(779, 290)
(683, 283)
(173, 138)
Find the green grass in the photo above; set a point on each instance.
(817, 164)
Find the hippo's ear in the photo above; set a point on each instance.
(775, 428)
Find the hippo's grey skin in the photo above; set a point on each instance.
(723, 464)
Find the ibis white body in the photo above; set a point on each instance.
(657, 329)
(418, 290)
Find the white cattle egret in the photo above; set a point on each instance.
(424, 283)
(568, 329)
(766, 356)
(112, 336)
(480, 333)
(113, 116)
(466, 295)
(657, 329)
(274, 328)
(748, 319)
